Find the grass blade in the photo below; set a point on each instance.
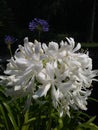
(11, 117)
(4, 116)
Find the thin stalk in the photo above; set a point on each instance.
(26, 118)
(10, 50)
(39, 34)
(49, 124)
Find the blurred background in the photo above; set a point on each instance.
(71, 18)
(76, 18)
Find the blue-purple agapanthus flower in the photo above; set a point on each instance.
(39, 24)
(9, 39)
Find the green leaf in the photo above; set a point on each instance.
(88, 125)
(4, 117)
(26, 125)
(11, 116)
(91, 119)
(60, 121)
(93, 126)
(93, 99)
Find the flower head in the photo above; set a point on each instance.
(39, 24)
(9, 39)
(64, 71)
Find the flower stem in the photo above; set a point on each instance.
(39, 34)
(49, 123)
(26, 117)
(10, 50)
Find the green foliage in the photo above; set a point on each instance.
(88, 125)
(89, 45)
(13, 116)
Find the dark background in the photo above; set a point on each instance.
(72, 18)
(77, 18)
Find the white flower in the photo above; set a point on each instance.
(59, 70)
(25, 65)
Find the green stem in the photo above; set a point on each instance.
(26, 117)
(39, 33)
(49, 123)
(10, 50)
(49, 115)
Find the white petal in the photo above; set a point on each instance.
(53, 46)
(71, 42)
(77, 47)
(41, 91)
(44, 46)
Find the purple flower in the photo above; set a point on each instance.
(39, 24)
(9, 39)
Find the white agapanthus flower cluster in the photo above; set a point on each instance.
(59, 69)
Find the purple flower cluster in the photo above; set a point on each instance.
(9, 39)
(39, 24)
